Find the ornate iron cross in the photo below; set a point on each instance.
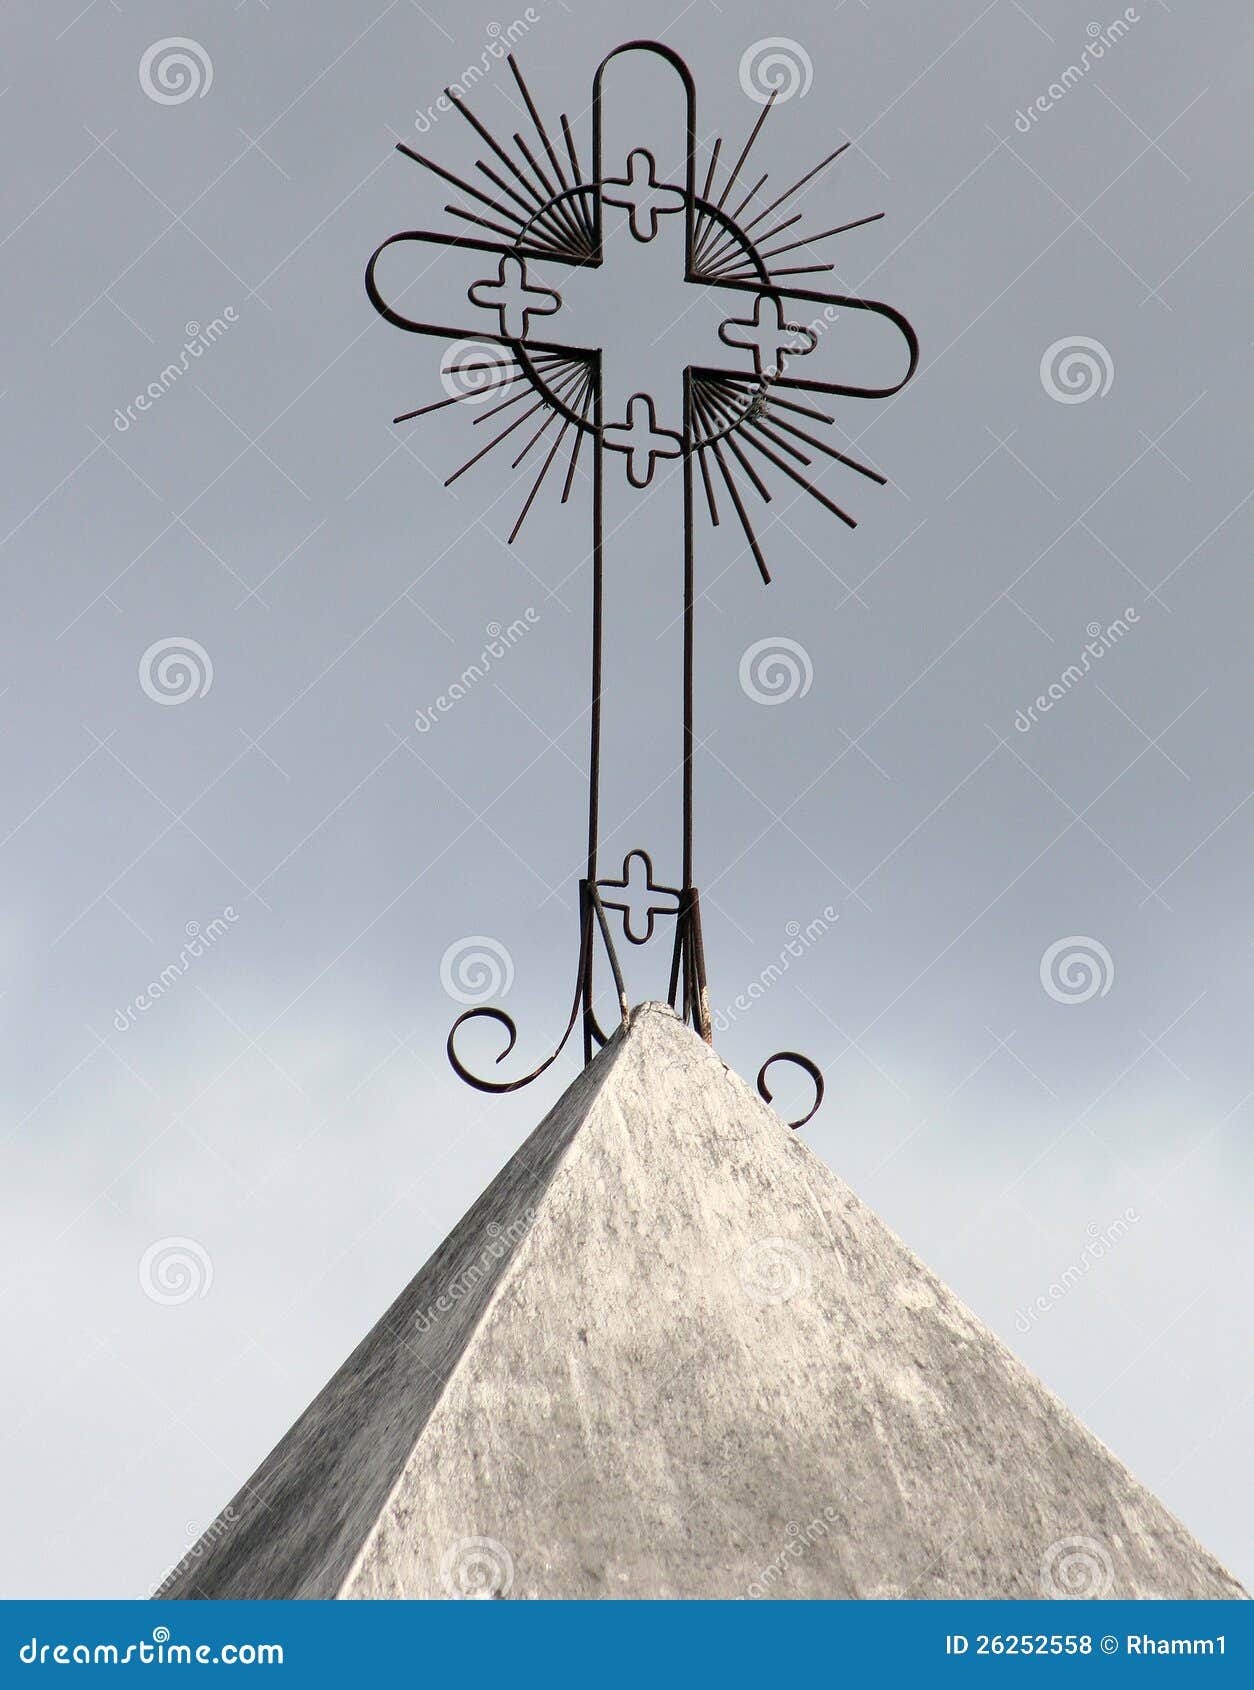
(729, 425)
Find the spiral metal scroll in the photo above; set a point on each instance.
(688, 994)
(591, 910)
(808, 1067)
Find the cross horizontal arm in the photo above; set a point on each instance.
(821, 335)
(489, 275)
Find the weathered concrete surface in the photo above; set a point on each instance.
(677, 1357)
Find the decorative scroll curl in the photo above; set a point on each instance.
(799, 1061)
(511, 1029)
(591, 911)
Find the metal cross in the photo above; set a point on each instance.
(640, 193)
(642, 440)
(739, 420)
(514, 299)
(768, 337)
(642, 900)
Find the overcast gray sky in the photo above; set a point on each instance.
(1073, 453)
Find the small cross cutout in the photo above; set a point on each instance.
(768, 337)
(642, 194)
(642, 440)
(641, 900)
(514, 299)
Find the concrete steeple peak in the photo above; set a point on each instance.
(668, 1353)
